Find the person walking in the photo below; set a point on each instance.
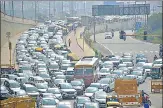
(69, 42)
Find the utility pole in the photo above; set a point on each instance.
(94, 28)
(4, 8)
(23, 10)
(12, 9)
(35, 11)
(49, 10)
(135, 19)
(10, 46)
(54, 8)
(62, 8)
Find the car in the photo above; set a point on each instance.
(104, 72)
(42, 87)
(122, 65)
(4, 94)
(141, 76)
(36, 79)
(70, 74)
(9, 76)
(147, 68)
(119, 72)
(108, 64)
(97, 85)
(64, 67)
(49, 102)
(105, 83)
(157, 62)
(100, 97)
(140, 64)
(12, 86)
(64, 104)
(20, 93)
(127, 54)
(58, 81)
(126, 70)
(115, 61)
(67, 90)
(129, 65)
(53, 67)
(3, 80)
(78, 86)
(61, 77)
(57, 73)
(142, 60)
(80, 101)
(45, 76)
(114, 76)
(108, 35)
(89, 91)
(91, 105)
(21, 80)
(31, 90)
(56, 92)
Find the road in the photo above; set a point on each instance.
(118, 47)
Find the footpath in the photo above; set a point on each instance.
(77, 44)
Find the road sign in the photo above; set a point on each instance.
(132, 9)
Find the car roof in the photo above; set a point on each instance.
(28, 85)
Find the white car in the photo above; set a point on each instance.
(108, 35)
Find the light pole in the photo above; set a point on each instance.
(10, 46)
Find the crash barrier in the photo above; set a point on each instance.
(18, 102)
(156, 86)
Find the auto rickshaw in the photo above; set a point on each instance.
(57, 46)
(112, 101)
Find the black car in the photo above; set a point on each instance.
(80, 101)
(77, 85)
(67, 90)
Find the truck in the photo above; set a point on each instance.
(127, 92)
(18, 102)
(156, 72)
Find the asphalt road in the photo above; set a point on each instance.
(118, 47)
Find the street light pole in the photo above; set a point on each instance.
(10, 46)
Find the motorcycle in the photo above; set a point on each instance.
(147, 100)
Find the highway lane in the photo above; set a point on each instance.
(118, 46)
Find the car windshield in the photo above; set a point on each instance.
(147, 66)
(91, 106)
(44, 76)
(42, 86)
(31, 89)
(155, 70)
(76, 83)
(66, 86)
(104, 81)
(49, 101)
(64, 67)
(14, 85)
(128, 77)
(158, 62)
(126, 60)
(100, 95)
(136, 73)
(91, 90)
(86, 71)
(53, 66)
(70, 72)
(41, 65)
(23, 80)
(83, 100)
(104, 70)
(118, 72)
(55, 91)
(95, 85)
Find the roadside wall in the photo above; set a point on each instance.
(13, 25)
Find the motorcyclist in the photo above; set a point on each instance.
(143, 96)
(112, 32)
(39, 100)
(155, 57)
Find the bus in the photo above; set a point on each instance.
(86, 68)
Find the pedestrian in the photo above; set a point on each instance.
(39, 100)
(69, 42)
(155, 57)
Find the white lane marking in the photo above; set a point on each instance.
(146, 51)
(156, 51)
(106, 48)
(151, 51)
(141, 51)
